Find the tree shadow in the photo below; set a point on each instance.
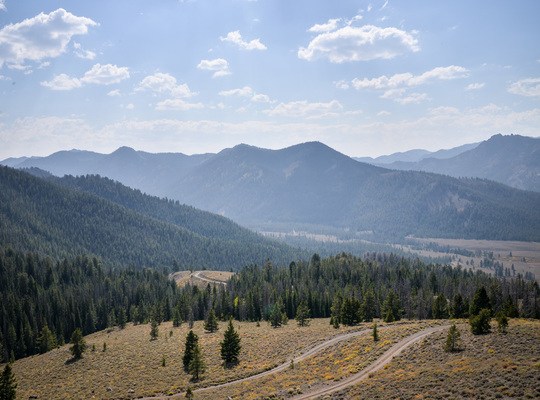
(72, 360)
(230, 365)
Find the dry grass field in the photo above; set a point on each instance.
(495, 365)
(200, 278)
(524, 255)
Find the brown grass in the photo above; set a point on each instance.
(490, 367)
(131, 366)
(182, 278)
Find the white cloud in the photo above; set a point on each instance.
(412, 98)
(344, 85)
(130, 106)
(359, 44)
(236, 38)
(261, 98)
(106, 74)
(475, 86)
(62, 82)
(114, 93)
(43, 36)
(529, 87)
(165, 83)
(81, 53)
(331, 25)
(409, 80)
(177, 104)
(220, 67)
(304, 109)
(3, 5)
(99, 75)
(246, 91)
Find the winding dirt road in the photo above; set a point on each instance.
(376, 365)
(387, 356)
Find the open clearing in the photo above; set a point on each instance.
(131, 365)
(201, 278)
(525, 256)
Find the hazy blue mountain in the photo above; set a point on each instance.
(145, 171)
(313, 184)
(416, 155)
(513, 160)
(93, 215)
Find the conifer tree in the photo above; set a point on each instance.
(368, 306)
(197, 365)
(439, 308)
(230, 346)
(177, 317)
(375, 333)
(46, 340)
(391, 308)
(8, 384)
(302, 314)
(211, 323)
(277, 315)
(480, 323)
(154, 330)
(122, 318)
(480, 301)
(191, 342)
(78, 344)
(335, 309)
(453, 340)
(458, 307)
(502, 322)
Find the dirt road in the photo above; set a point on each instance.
(376, 365)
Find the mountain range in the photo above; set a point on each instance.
(312, 185)
(65, 217)
(513, 160)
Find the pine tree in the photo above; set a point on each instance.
(46, 340)
(453, 340)
(391, 308)
(211, 323)
(480, 323)
(302, 314)
(177, 317)
(502, 322)
(191, 341)
(439, 308)
(277, 315)
(335, 310)
(480, 301)
(122, 318)
(8, 384)
(458, 307)
(230, 346)
(78, 344)
(375, 333)
(197, 365)
(154, 330)
(368, 306)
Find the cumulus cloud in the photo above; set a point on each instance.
(220, 67)
(166, 84)
(81, 53)
(261, 98)
(529, 87)
(114, 93)
(304, 109)
(62, 82)
(105, 74)
(331, 25)
(40, 37)
(236, 38)
(359, 44)
(3, 5)
(177, 104)
(475, 86)
(98, 75)
(246, 91)
(409, 80)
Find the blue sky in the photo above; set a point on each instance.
(365, 77)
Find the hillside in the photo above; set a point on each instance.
(312, 185)
(130, 229)
(513, 160)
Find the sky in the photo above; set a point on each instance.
(364, 77)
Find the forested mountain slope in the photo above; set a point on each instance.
(513, 160)
(45, 217)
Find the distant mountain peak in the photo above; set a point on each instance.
(124, 150)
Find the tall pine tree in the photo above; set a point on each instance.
(191, 342)
(8, 384)
(230, 346)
